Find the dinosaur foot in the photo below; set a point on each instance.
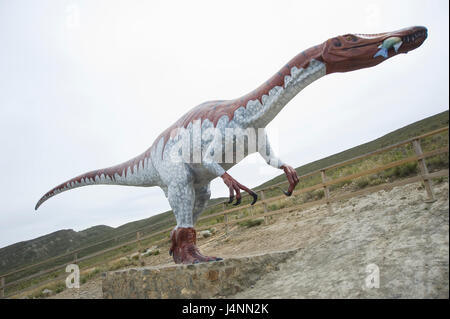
(234, 186)
(174, 244)
(184, 249)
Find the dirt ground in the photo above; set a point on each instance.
(396, 230)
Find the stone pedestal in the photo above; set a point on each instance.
(205, 280)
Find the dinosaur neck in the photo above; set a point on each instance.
(274, 94)
(259, 107)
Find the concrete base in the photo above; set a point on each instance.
(206, 280)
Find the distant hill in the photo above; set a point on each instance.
(62, 241)
(50, 245)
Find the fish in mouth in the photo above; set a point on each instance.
(396, 43)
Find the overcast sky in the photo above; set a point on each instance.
(90, 84)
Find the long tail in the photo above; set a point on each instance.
(138, 171)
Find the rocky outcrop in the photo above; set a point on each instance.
(205, 280)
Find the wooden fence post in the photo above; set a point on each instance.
(225, 218)
(326, 191)
(2, 287)
(75, 258)
(424, 171)
(138, 237)
(263, 197)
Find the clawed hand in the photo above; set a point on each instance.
(235, 186)
(292, 177)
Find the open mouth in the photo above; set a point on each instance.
(416, 35)
(397, 42)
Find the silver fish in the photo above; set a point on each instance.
(395, 42)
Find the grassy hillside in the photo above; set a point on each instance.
(101, 237)
(417, 128)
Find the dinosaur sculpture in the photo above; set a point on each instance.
(186, 179)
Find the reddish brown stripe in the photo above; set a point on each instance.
(214, 110)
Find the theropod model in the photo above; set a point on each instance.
(199, 135)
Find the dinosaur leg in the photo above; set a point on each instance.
(202, 195)
(183, 200)
(181, 196)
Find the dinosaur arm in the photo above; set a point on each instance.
(269, 156)
(211, 158)
(213, 168)
(213, 155)
(266, 151)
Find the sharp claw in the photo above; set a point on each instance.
(255, 198)
(219, 258)
(238, 201)
(231, 199)
(170, 252)
(287, 193)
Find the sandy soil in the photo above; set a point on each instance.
(396, 230)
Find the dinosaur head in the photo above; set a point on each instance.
(357, 51)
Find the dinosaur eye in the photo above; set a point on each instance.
(351, 37)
